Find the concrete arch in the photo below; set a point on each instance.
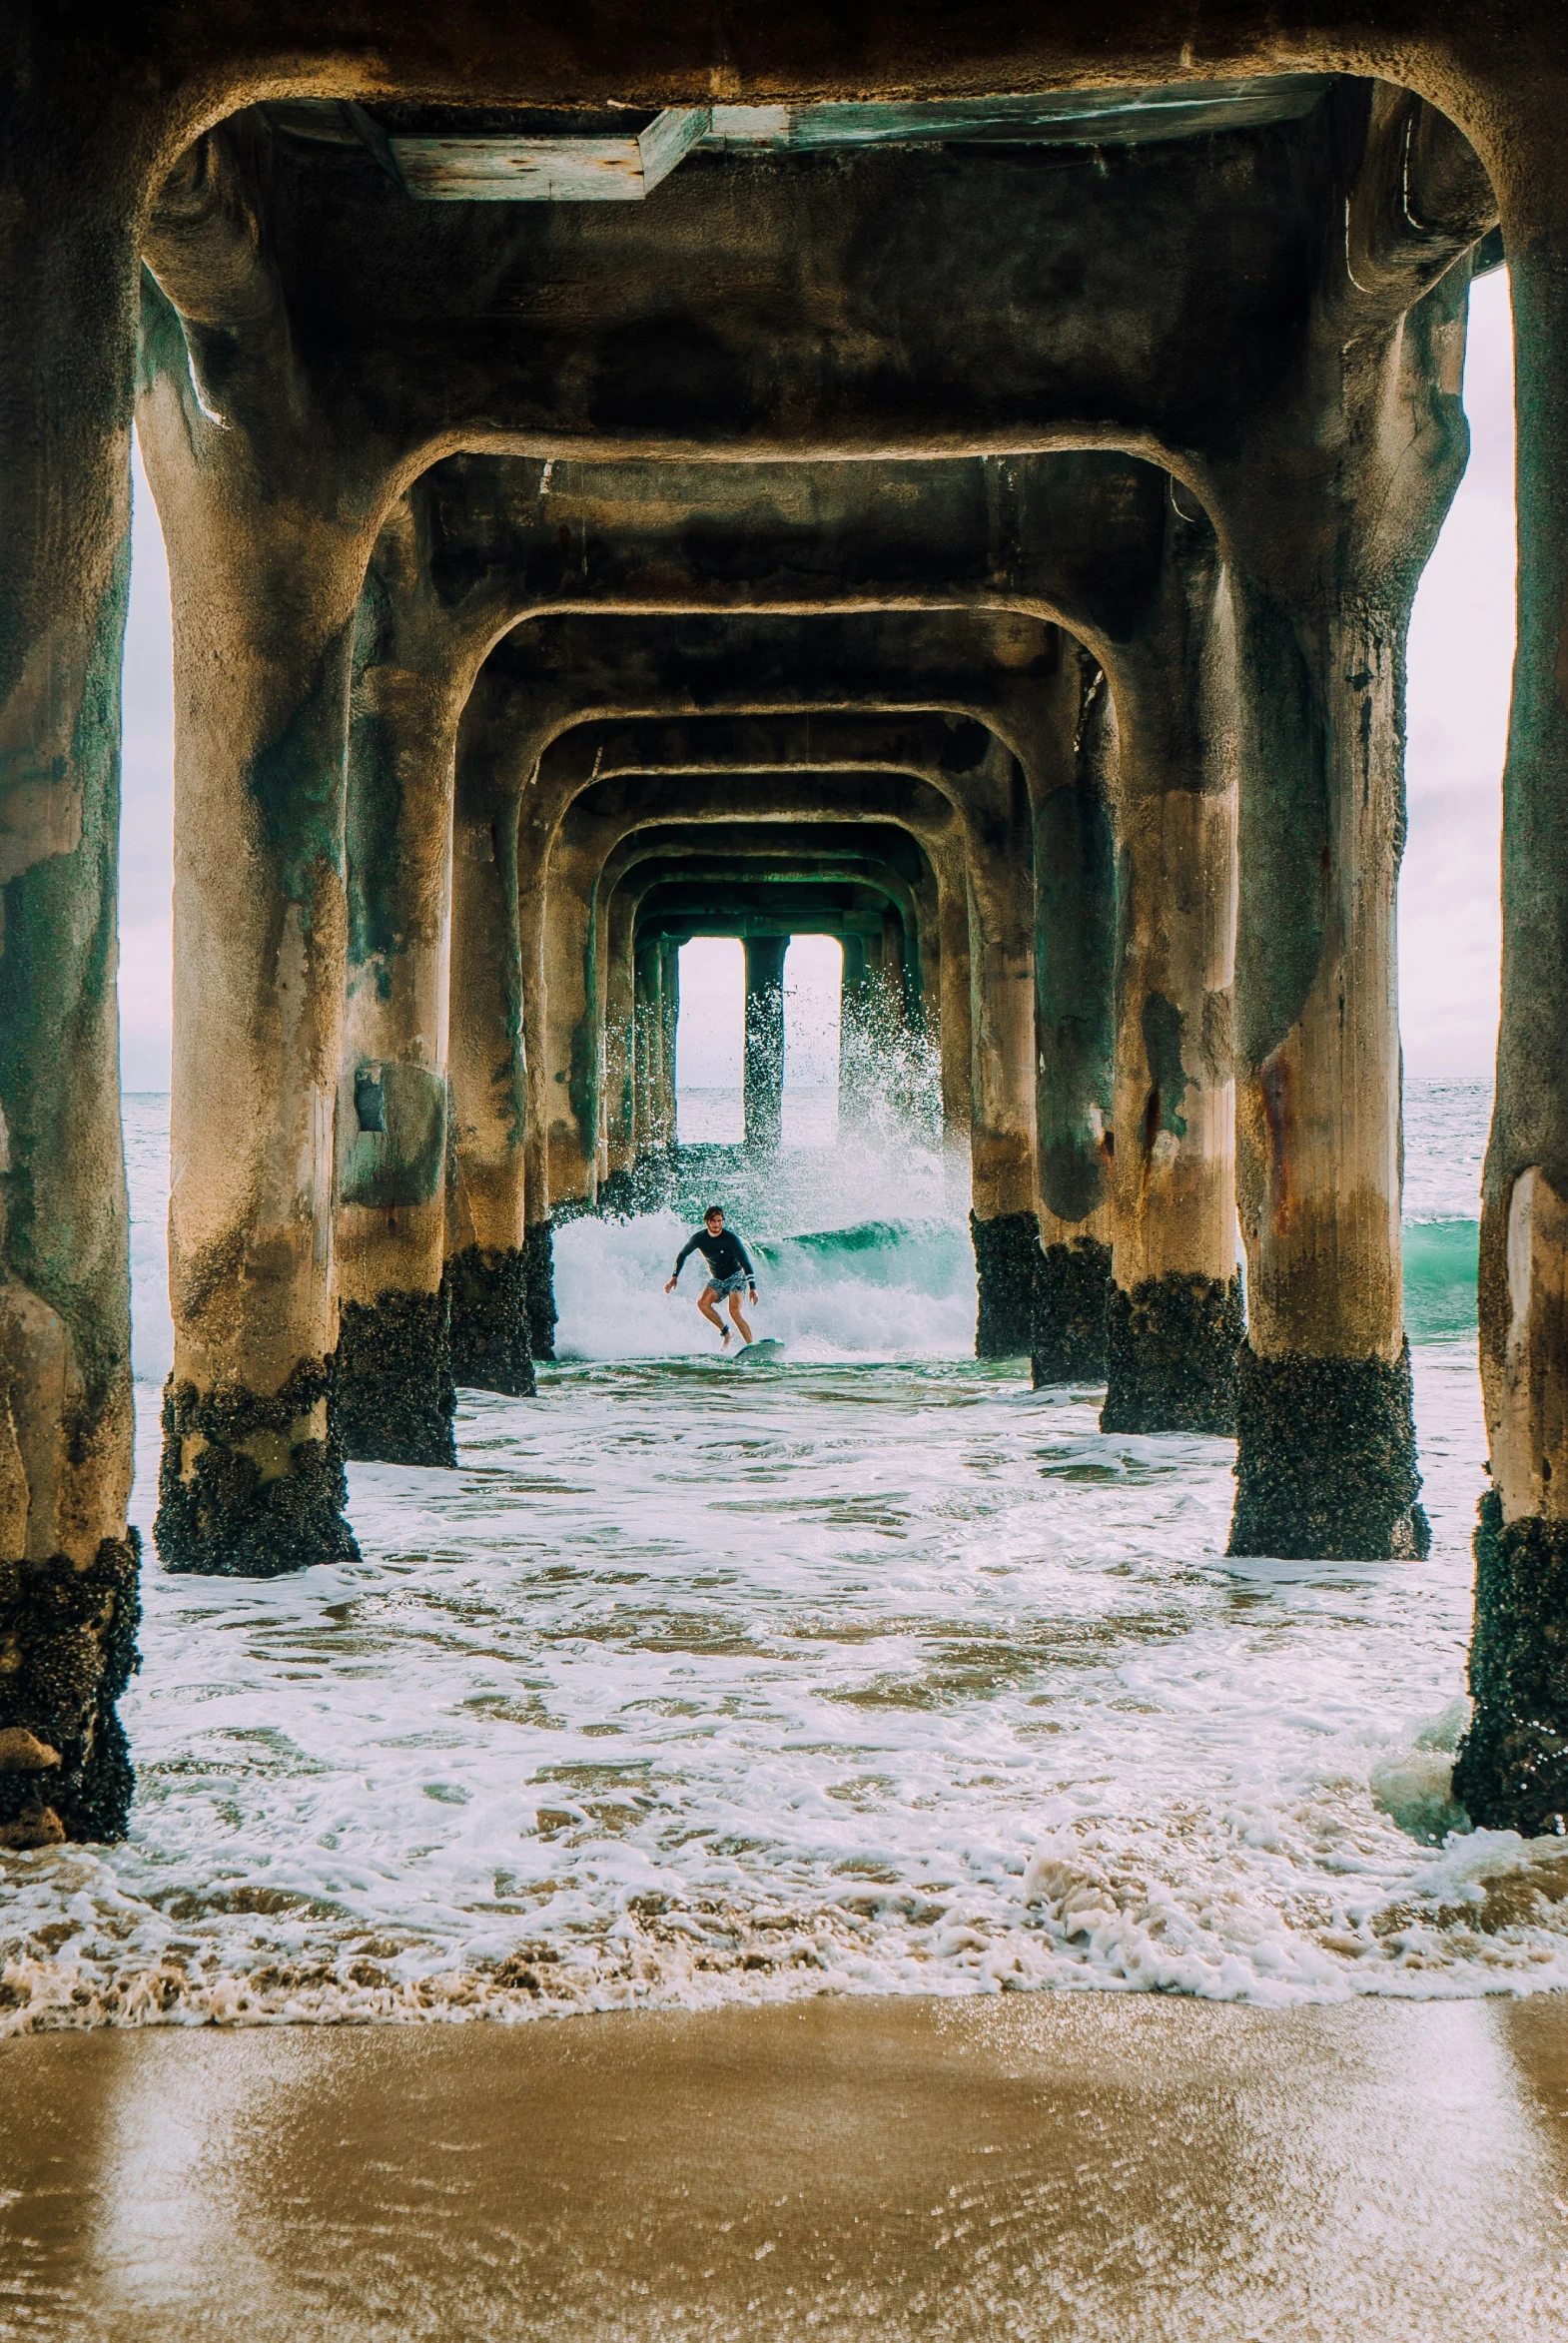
(806, 801)
(987, 1015)
(771, 877)
(994, 826)
(857, 908)
(652, 807)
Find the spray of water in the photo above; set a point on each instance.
(857, 1223)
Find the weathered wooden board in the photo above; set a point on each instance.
(1109, 117)
(616, 169)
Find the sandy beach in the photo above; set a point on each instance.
(1066, 2165)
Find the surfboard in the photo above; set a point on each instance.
(769, 1348)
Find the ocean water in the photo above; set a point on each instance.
(865, 1671)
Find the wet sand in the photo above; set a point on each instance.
(1068, 2165)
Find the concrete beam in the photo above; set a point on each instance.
(699, 325)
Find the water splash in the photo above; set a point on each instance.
(881, 1290)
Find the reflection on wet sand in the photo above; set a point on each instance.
(1070, 2166)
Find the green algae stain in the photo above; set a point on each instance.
(1285, 827)
(300, 779)
(161, 352)
(373, 822)
(403, 1164)
(583, 1082)
(513, 1073)
(1074, 960)
(375, 810)
(1163, 1025)
(66, 1232)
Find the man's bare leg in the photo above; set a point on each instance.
(734, 1311)
(705, 1302)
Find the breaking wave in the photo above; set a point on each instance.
(1441, 1259)
(879, 1290)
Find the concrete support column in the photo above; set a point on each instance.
(1325, 1461)
(896, 971)
(1512, 1772)
(764, 1061)
(68, 1563)
(1174, 1318)
(534, 835)
(1325, 536)
(394, 1397)
(666, 1104)
(954, 1038)
(620, 1135)
(1004, 1222)
(252, 1480)
(1072, 782)
(649, 1049)
(488, 1268)
(266, 573)
(567, 1089)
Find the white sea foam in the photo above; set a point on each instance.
(871, 1671)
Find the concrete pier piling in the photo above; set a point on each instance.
(1072, 782)
(269, 542)
(764, 1042)
(393, 1396)
(493, 1251)
(854, 1004)
(1512, 1772)
(1173, 1306)
(1326, 1447)
(665, 1121)
(1004, 1221)
(1321, 595)
(69, 1565)
(652, 1116)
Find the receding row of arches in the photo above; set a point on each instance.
(1001, 534)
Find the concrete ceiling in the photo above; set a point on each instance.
(493, 153)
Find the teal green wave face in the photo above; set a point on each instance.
(1441, 1259)
(926, 1255)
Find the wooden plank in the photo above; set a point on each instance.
(1104, 117)
(750, 125)
(505, 170)
(509, 169)
(668, 139)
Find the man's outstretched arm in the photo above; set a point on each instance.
(683, 1256)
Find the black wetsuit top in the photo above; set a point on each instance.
(724, 1254)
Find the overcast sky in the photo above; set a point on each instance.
(1460, 647)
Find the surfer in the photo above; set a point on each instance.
(729, 1268)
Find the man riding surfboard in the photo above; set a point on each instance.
(729, 1271)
